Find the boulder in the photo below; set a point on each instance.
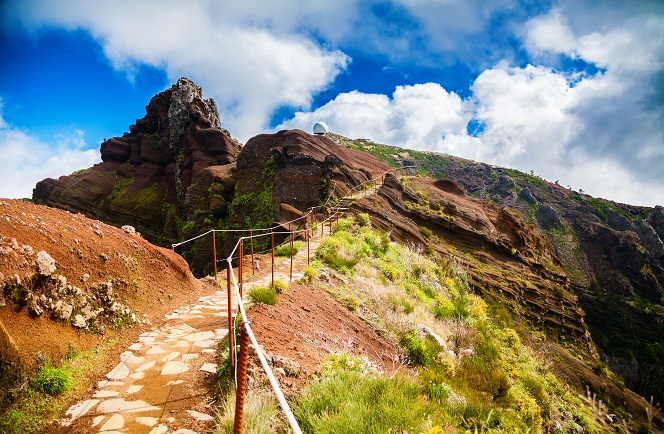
(45, 264)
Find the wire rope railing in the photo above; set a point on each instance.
(234, 284)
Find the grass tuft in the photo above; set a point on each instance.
(261, 294)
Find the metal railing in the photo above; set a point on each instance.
(234, 284)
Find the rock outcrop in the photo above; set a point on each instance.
(612, 254)
(145, 174)
(504, 258)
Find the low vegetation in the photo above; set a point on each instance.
(45, 397)
(263, 294)
(474, 373)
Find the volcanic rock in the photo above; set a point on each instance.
(144, 175)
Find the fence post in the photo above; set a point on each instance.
(241, 380)
(308, 237)
(214, 255)
(253, 264)
(322, 224)
(290, 278)
(231, 344)
(272, 250)
(239, 271)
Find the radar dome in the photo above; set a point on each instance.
(321, 128)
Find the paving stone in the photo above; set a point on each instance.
(174, 368)
(181, 344)
(204, 344)
(199, 416)
(147, 365)
(172, 356)
(129, 358)
(105, 383)
(97, 420)
(78, 410)
(133, 389)
(135, 347)
(146, 339)
(116, 422)
(155, 350)
(188, 357)
(161, 429)
(147, 421)
(105, 394)
(209, 367)
(138, 375)
(120, 372)
(119, 405)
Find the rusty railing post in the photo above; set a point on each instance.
(239, 271)
(253, 264)
(290, 278)
(272, 250)
(308, 237)
(241, 380)
(214, 255)
(231, 344)
(322, 224)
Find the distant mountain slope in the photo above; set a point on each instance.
(612, 253)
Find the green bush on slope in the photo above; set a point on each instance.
(482, 378)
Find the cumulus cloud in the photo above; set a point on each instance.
(423, 116)
(27, 160)
(244, 60)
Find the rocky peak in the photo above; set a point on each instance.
(187, 97)
(145, 174)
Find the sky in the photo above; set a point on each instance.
(572, 90)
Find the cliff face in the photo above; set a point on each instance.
(612, 254)
(505, 258)
(145, 174)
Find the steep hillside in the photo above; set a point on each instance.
(612, 254)
(68, 282)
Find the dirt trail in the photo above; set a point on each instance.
(161, 382)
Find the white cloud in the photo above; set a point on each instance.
(27, 160)
(245, 59)
(423, 116)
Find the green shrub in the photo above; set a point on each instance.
(421, 351)
(280, 287)
(261, 294)
(425, 232)
(310, 274)
(52, 381)
(389, 270)
(350, 402)
(260, 413)
(285, 249)
(363, 219)
(350, 302)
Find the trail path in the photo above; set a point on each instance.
(161, 382)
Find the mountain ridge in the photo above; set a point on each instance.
(177, 174)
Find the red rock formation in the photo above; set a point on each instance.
(144, 175)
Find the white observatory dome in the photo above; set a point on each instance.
(320, 128)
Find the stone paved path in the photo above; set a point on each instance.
(150, 390)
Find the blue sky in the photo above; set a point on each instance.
(572, 90)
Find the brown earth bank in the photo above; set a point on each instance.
(308, 324)
(69, 281)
